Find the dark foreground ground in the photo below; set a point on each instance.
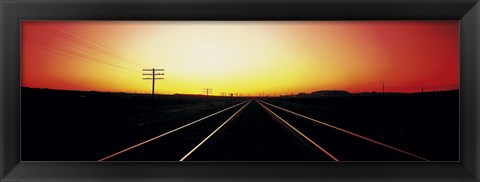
(424, 124)
(87, 126)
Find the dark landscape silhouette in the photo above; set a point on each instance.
(59, 125)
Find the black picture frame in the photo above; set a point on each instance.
(13, 11)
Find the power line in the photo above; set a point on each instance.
(98, 46)
(79, 57)
(82, 48)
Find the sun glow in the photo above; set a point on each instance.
(248, 58)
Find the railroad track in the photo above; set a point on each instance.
(260, 131)
(338, 143)
(171, 144)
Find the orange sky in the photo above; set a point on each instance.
(245, 57)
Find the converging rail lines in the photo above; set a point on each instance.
(258, 130)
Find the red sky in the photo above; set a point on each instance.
(241, 56)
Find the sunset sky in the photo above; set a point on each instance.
(245, 57)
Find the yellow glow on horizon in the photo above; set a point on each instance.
(232, 57)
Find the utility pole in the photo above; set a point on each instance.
(207, 91)
(383, 88)
(153, 78)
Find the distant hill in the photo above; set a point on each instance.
(343, 93)
(323, 93)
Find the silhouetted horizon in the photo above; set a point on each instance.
(246, 95)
